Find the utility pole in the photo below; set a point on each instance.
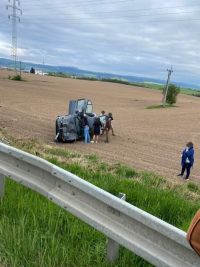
(20, 67)
(166, 86)
(15, 19)
(43, 65)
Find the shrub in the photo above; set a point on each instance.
(16, 78)
(197, 94)
(172, 93)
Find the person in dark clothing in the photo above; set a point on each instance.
(108, 125)
(111, 119)
(96, 128)
(187, 160)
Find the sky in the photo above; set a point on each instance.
(129, 37)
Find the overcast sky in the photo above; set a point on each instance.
(134, 37)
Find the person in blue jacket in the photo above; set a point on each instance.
(187, 160)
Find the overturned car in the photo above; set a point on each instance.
(69, 127)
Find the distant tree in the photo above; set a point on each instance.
(17, 78)
(32, 70)
(172, 93)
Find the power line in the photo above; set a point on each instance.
(119, 22)
(14, 17)
(84, 20)
(129, 10)
(85, 3)
(127, 16)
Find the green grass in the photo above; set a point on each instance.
(123, 171)
(189, 91)
(161, 106)
(193, 187)
(155, 86)
(59, 74)
(35, 232)
(62, 153)
(92, 158)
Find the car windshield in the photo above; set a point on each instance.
(80, 104)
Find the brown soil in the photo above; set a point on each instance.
(146, 139)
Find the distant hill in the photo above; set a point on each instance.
(26, 66)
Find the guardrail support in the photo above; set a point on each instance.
(2, 183)
(112, 251)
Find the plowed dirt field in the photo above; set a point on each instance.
(146, 139)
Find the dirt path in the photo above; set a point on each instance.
(146, 139)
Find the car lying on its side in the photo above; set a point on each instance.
(69, 127)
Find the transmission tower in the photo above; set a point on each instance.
(15, 18)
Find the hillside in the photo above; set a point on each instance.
(6, 63)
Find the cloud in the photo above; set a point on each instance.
(5, 48)
(128, 37)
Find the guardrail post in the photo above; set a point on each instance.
(112, 251)
(2, 182)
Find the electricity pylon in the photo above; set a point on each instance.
(15, 18)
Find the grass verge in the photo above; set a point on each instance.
(35, 232)
(161, 106)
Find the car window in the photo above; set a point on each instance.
(80, 104)
(89, 107)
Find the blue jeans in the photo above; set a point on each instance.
(86, 134)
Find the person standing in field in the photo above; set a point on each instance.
(85, 125)
(108, 126)
(103, 121)
(96, 128)
(111, 118)
(187, 160)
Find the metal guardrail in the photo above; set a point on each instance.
(152, 239)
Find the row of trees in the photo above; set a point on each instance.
(172, 93)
